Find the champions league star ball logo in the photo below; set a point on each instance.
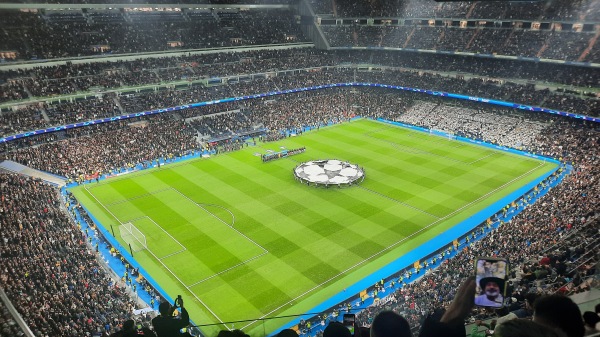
(329, 172)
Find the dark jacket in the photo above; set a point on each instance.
(432, 327)
(170, 326)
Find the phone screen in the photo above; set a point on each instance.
(349, 322)
(490, 282)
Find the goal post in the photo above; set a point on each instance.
(133, 236)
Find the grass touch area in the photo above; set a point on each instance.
(241, 239)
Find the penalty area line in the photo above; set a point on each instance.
(165, 266)
(172, 254)
(228, 269)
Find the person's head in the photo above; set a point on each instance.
(591, 319)
(525, 328)
(287, 333)
(530, 299)
(597, 308)
(390, 324)
(560, 312)
(336, 329)
(129, 325)
(233, 333)
(365, 331)
(492, 286)
(164, 308)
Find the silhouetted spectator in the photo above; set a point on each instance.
(525, 328)
(166, 324)
(390, 324)
(559, 312)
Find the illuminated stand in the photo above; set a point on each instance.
(329, 172)
(290, 91)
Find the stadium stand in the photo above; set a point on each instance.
(47, 34)
(581, 139)
(103, 76)
(537, 10)
(549, 44)
(39, 115)
(8, 325)
(61, 287)
(51, 276)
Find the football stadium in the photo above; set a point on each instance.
(308, 168)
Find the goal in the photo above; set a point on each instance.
(133, 236)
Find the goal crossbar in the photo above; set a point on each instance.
(133, 236)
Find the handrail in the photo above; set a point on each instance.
(585, 280)
(584, 262)
(15, 314)
(575, 231)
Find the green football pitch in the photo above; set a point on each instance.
(243, 240)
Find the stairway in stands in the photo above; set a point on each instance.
(589, 47)
(14, 167)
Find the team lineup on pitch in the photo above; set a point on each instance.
(246, 240)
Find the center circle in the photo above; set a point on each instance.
(329, 172)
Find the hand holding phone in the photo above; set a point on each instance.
(490, 279)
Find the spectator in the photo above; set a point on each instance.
(336, 329)
(592, 323)
(131, 330)
(491, 296)
(525, 312)
(390, 324)
(559, 312)
(450, 322)
(166, 324)
(287, 333)
(525, 327)
(232, 333)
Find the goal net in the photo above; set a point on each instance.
(441, 133)
(133, 236)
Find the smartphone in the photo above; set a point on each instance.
(490, 281)
(348, 322)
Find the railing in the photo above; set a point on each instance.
(15, 314)
(590, 253)
(572, 233)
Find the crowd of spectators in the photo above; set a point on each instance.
(83, 110)
(578, 76)
(49, 273)
(108, 75)
(107, 147)
(73, 78)
(513, 41)
(8, 325)
(486, 124)
(142, 72)
(534, 10)
(24, 119)
(167, 2)
(73, 33)
(39, 115)
(110, 147)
